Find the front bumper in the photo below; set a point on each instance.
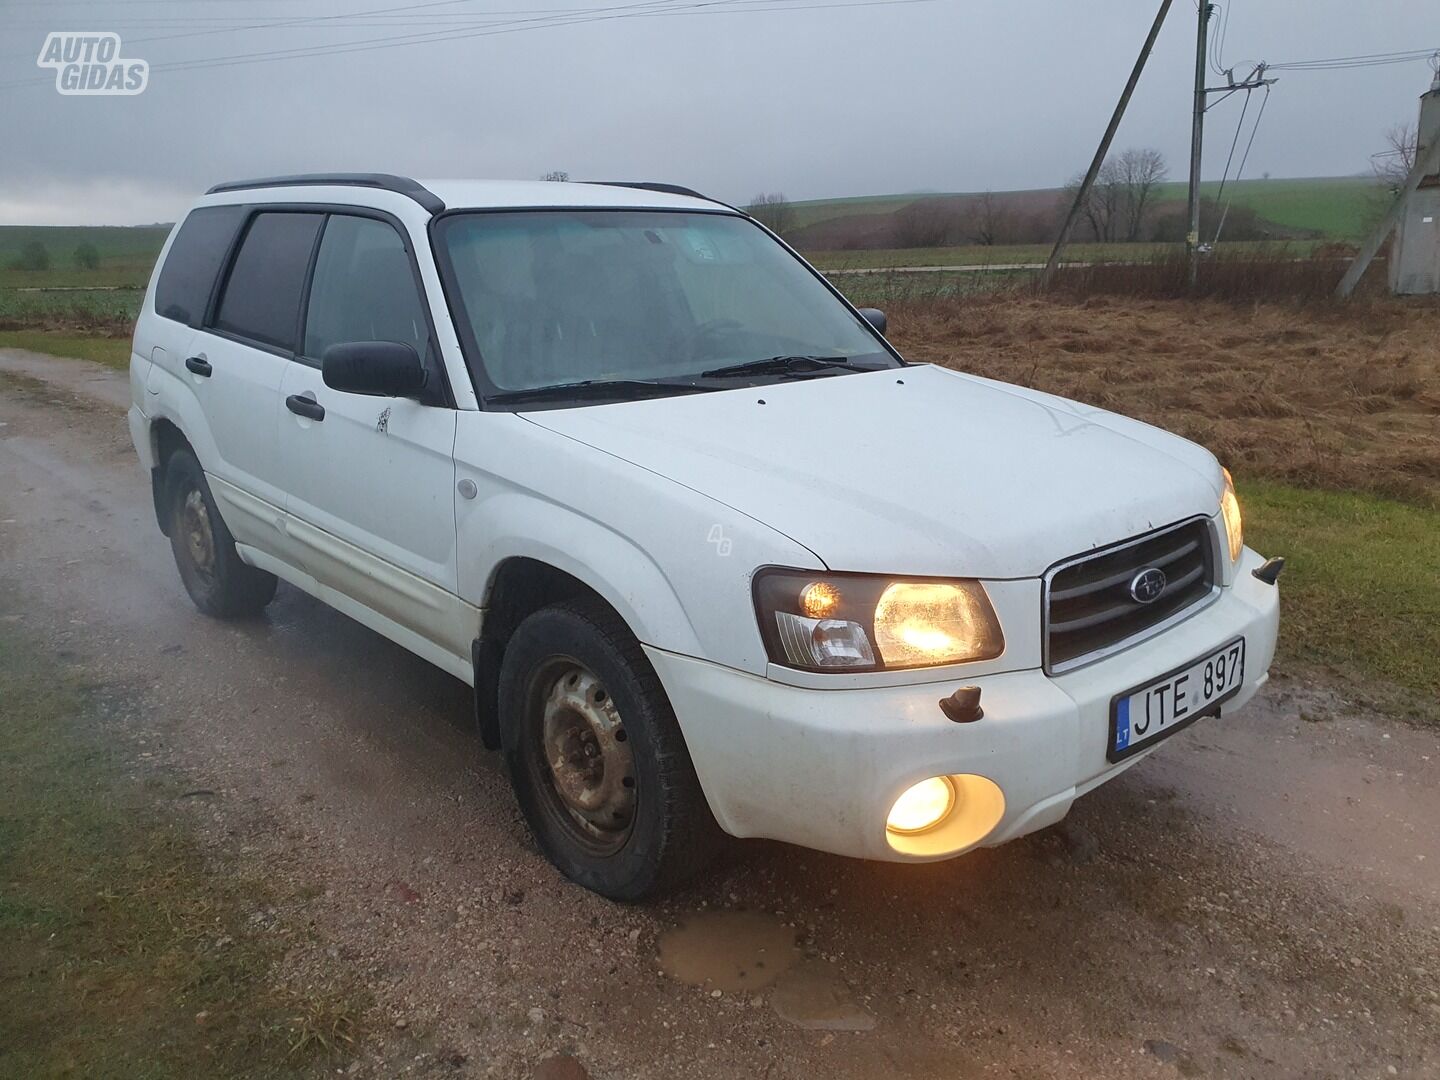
(821, 768)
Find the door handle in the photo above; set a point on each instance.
(307, 407)
(199, 365)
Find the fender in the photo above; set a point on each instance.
(169, 400)
(626, 576)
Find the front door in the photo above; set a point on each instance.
(371, 480)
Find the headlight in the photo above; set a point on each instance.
(1230, 508)
(856, 622)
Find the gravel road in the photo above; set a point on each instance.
(1259, 898)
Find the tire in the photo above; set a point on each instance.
(214, 575)
(596, 757)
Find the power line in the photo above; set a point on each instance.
(1239, 127)
(1217, 39)
(655, 8)
(1260, 115)
(406, 10)
(650, 9)
(1363, 60)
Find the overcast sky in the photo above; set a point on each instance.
(729, 96)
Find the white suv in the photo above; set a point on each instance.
(710, 552)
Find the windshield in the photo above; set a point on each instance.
(560, 297)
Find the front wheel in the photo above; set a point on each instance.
(596, 757)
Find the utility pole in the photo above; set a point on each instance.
(1099, 160)
(1427, 161)
(1197, 140)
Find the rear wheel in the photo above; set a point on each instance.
(596, 756)
(217, 580)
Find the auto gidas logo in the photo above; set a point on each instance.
(90, 63)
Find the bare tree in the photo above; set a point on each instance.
(774, 211)
(993, 221)
(1138, 171)
(1393, 164)
(559, 176)
(1100, 210)
(1118, 205)
(921, 224)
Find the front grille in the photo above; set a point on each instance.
(1089, 608)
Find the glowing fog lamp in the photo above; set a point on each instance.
(922, 806)
(1230, 510)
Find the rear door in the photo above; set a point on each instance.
(192, 266)
(236, 363)
(371, 480)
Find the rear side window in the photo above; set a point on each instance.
(196, 254)
(363, 289)
(261, 300)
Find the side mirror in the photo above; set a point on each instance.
(875, 317)
(376, 368)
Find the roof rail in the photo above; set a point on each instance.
(401, 185)
(650, 185)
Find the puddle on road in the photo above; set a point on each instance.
(815, 998)
(728, 950)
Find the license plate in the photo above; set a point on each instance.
(1143, 716)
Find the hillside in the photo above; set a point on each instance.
(1330, 208)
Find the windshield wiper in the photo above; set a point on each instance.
(784, 365)
(592, 389)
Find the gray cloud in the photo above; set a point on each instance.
(950, 95)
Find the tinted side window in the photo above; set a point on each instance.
(262, 295)
(189, 272)
(363, 289)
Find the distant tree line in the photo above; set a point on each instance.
(774, 211)
(34, 255)
(1123, 206)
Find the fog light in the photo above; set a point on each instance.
(923, 806)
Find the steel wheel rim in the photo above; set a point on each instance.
(586, 755)
(197, 533)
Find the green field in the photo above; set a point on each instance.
(111, 351)
(1361, 591)
(68, 310)
(1339, 208)
(126, 253)
(837, 262)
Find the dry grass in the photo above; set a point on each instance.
(1342, 397)
(1243, 274)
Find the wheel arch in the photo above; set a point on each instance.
(521, 584)
(165, 438)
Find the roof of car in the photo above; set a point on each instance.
(478, 194)
(438, 195)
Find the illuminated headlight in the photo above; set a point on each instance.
(1230, 509)
(856, 622)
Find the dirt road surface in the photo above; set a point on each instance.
(1260, 898)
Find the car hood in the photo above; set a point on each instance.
(920, 470)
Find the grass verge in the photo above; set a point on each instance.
(124, 951)
(112, 352)
(1342, 397)
(1361, 591)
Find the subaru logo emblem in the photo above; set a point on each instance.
(1147, 585)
